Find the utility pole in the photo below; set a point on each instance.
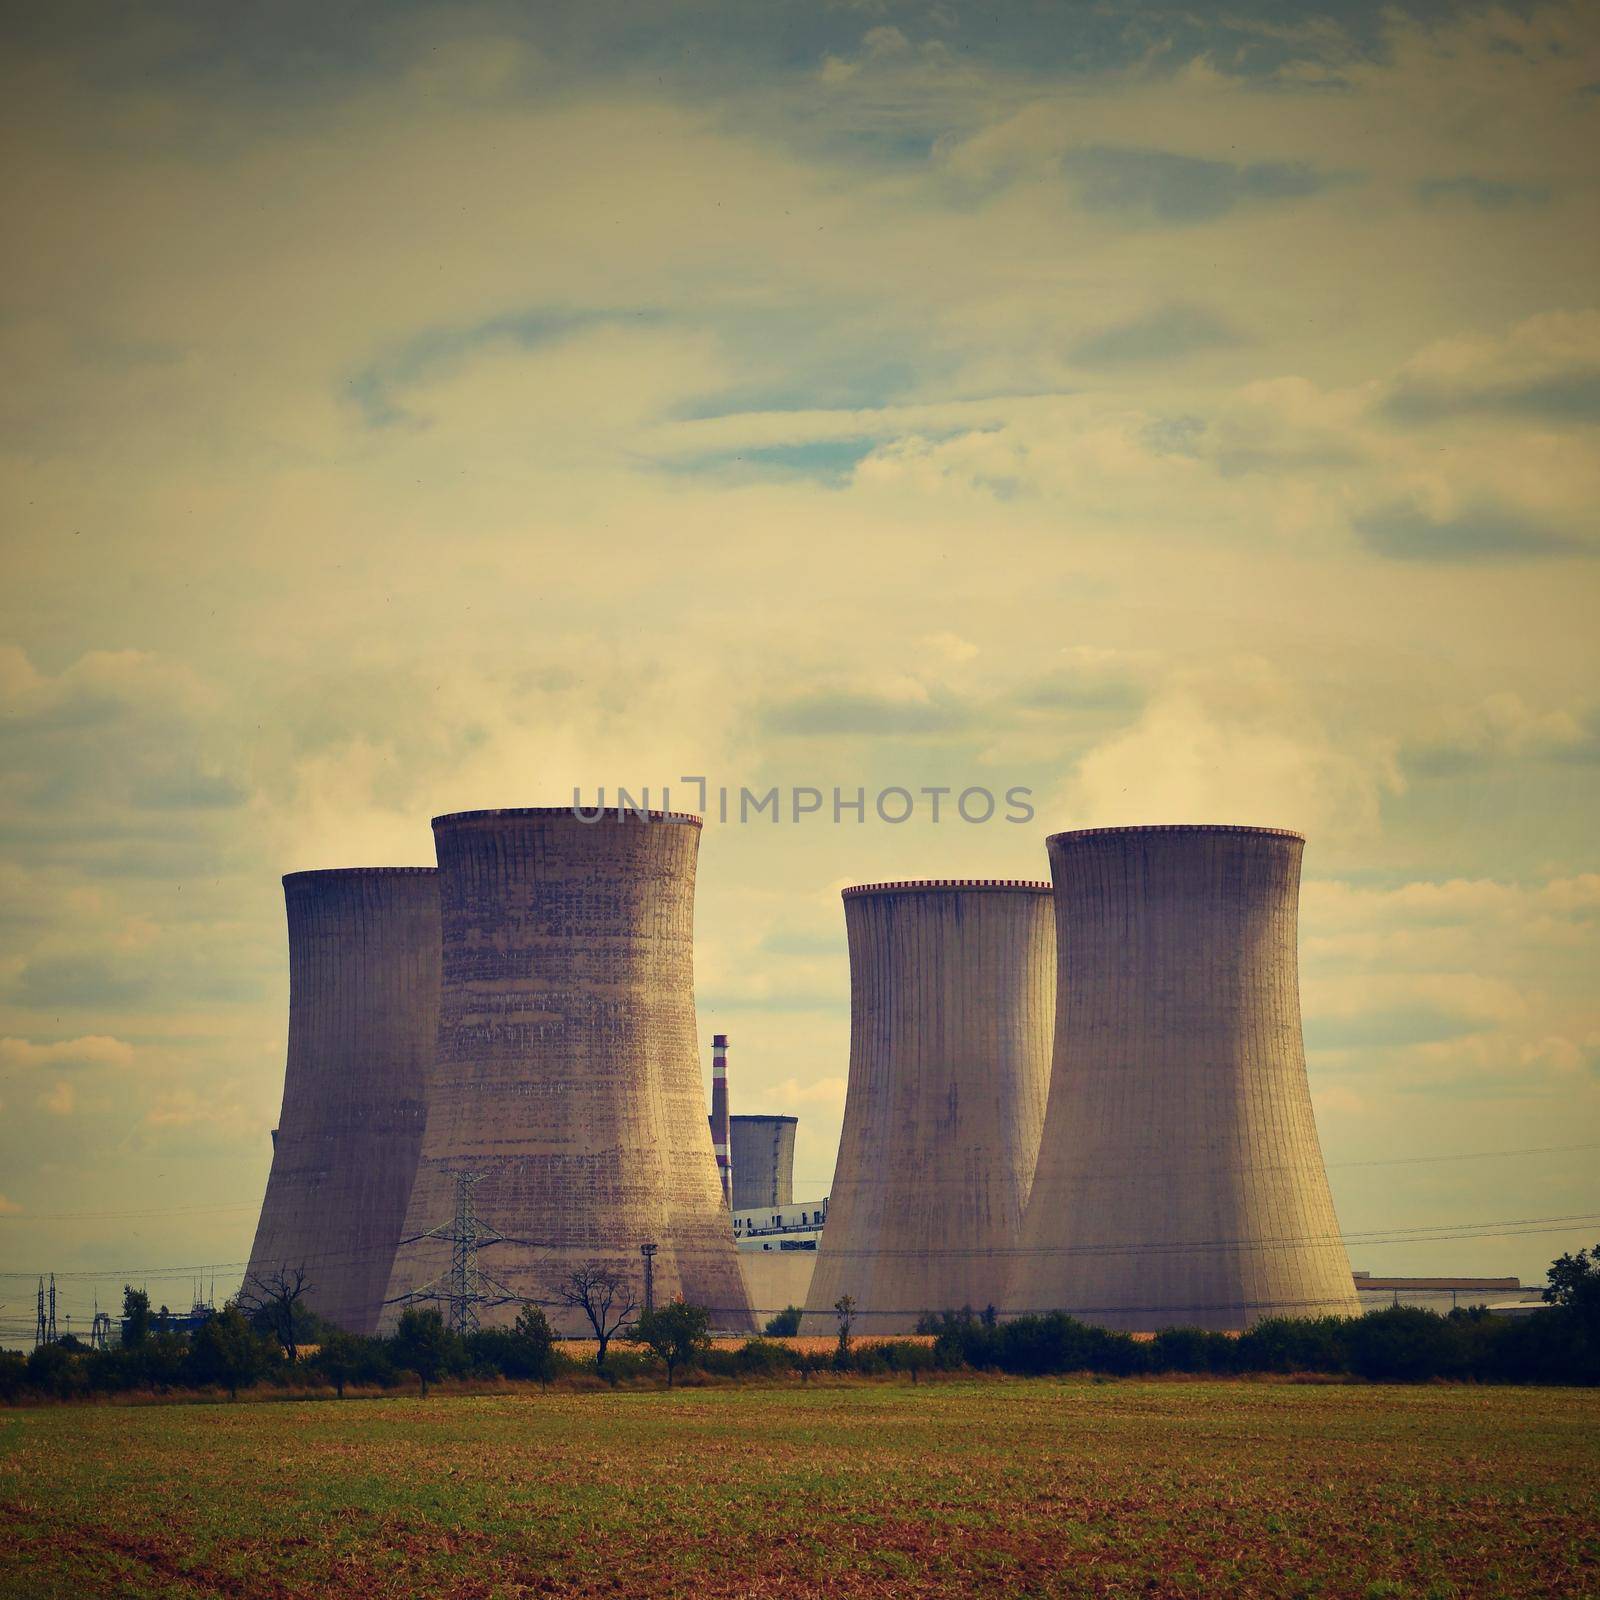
(648, 1251)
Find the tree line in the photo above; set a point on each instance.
(269, 1336)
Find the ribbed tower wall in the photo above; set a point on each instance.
(951, 1014)
(1180, 1180)
(763, 1161)
(363, 1018)
(568, 1063)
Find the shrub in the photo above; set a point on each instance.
(759, 1358)
(784, 1325)
(1403, 1344)
(1191, 1350)
(13, 1375)
(226, 1350)
(1293, 1344)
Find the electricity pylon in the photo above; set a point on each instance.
(466, 1286)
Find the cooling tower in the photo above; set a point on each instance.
(1179, 1181)
(363, 1014)
(951, 1009)
(568, 1066)
(763, 1161)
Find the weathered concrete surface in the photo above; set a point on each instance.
(363, 1018)
(1180, 1181)
(568, 1063)
(951, 1011)
(776, 1279)
(763, 1162)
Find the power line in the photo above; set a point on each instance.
(125, 1216)
(1469, 1155)
(251, 1205)
(1396, 1234)
(1386, 1161)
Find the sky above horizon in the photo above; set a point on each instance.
(1186, 413)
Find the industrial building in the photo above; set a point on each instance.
(778, 1253)
(1447, 1294)
(363, 1017)
(1179, 1179)
(763, 1162)
(567, 1091)
(952, 991)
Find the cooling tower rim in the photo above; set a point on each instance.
(310, 873)
(608, 814)
(1073, 834)
(942, 885)
(761, 1116)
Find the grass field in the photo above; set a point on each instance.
(1036, 1487)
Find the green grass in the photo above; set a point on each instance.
(1037, 1487)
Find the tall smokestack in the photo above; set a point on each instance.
(720, 1140)
(1180, 1181)
(951, 1006)
(568, 1066)
(363, 1019)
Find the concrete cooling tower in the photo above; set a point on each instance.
(568, 1067)
(1180, 1181)
(951, 1013)
(763, 1161)
(363, 1015)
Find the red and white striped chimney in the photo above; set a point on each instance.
(719, 1114)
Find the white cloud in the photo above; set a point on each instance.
(826, 1092)
(60, 1101)
(1239, 744)
(92, 1050)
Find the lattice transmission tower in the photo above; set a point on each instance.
(466, 1286)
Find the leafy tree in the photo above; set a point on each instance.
(1574, 1282)
(135, 1317)
(13, 1374)
(53, 1370)
(227, 1350)
(533, 1344)
(604, 1296)
(785, 1324)
(845, 1307)
(161, 1359)
(338, 1356)
(675, 1333)
(423, 1345)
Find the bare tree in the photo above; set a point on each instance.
(272, 1298)
(604, 1296)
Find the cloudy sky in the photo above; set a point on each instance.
(1189, 414)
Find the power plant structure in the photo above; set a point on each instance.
(721, 1141)
(1179, 1179)
(952, 999)
(763, 1161)
(568, 1070)
(363, 1020)
(1087, 1096)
